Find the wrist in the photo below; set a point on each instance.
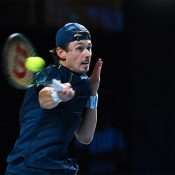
(93, 93)
(92, 102)
(55, 97)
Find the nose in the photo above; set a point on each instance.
(88, 52)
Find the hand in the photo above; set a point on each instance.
(95, 77)
(67, 94)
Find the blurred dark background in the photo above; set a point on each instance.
(135, 132)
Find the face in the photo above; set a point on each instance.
(78, 56)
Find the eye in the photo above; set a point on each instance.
(80, 48)
(89, 48)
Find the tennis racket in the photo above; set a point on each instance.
(17, 49)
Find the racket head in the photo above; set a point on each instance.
(16, 49)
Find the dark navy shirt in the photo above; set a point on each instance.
(45, 134)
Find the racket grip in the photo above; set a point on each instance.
(57, 85)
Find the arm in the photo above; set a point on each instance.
(85, 132)
(46, 101)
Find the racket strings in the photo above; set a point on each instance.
(17, 48)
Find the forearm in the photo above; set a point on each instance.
(45, 99)
(86, 130)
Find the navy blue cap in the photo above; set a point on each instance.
(71, 32)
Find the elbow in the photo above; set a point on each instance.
(84, 137)
(85, 141)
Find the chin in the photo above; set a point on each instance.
(83, 71)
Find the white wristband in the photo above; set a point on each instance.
(92, 102)
(55, 96)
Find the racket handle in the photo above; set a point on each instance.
(57, 85)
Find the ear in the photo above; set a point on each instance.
(61, 53)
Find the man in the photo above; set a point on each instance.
(50, 118)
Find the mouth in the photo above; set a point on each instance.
(85, 62)
(85, 65)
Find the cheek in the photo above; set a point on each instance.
(74, 61)
(76, 57)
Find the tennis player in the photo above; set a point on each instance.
(50, 118)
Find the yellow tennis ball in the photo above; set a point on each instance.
(34, 64)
